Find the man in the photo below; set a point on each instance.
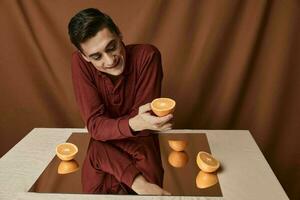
(113, 86)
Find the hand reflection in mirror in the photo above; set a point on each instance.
(127, 166)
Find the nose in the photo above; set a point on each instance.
(109, 60)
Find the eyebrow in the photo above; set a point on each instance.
(97, 53)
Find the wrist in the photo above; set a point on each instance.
(133, 123)
(138, 182)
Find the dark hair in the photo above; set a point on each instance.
(86, 24)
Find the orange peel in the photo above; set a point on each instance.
(178, 159)
(177, 145)
(205, 180)
(66, 167)
(163, 106)
(66, 151)
(206, 162)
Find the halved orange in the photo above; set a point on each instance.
(177, 145)
(163, 106)
(66, 167)
(207, 162)
(178, 159)
(205, 180)
(66, 151)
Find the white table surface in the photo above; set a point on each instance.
(245, 175)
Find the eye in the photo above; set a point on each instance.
(97, 57)
(112, 47)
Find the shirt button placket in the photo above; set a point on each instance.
(116, 99)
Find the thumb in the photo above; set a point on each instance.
(144, 108)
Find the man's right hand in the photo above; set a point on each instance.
(144, 120)
(141, 186)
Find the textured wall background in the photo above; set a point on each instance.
(229, 64)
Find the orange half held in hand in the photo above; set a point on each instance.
(163, 106)
(66, 151)
(206, 162)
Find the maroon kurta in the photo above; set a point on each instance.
(106, 109)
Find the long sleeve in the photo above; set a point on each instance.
(148, 86)
(92, 107)
(149, 81)
(104, 157)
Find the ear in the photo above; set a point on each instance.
(84, 57)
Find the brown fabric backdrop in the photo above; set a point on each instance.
(229, 64)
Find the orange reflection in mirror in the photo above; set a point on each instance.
(205, 180)
(66, 167)
(178, 159)
(177, 145)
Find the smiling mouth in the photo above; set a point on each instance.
(115, 65)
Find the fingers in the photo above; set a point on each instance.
(156, 120)
(165, 127)
(164, 119)
(157, 123)
(160, 191)
(162, 128)
(161, 120)
(144, 108)
(164, 192)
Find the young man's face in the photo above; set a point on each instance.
(106, 52)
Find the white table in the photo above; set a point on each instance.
(247, 174)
